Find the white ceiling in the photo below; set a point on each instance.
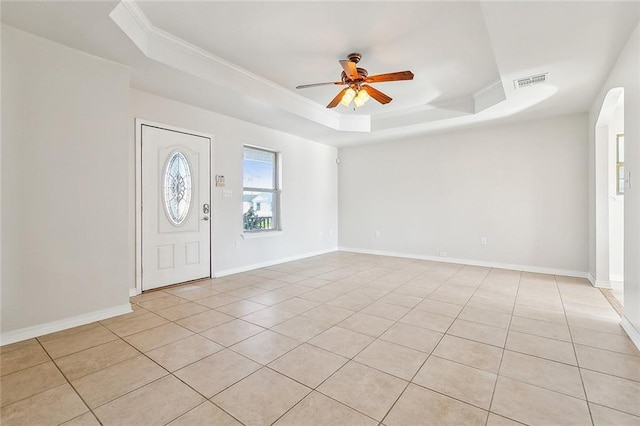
(244, 59)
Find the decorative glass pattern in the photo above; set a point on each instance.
(177, 188)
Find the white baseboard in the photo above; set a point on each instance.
(598, 283)
(486, 264)
(51, 327)
(616, 278)
(251, 267)
(133, 292)
(631, 331)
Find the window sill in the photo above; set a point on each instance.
(262, 234)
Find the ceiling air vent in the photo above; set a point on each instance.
(530, 81)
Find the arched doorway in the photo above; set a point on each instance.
(609, 156)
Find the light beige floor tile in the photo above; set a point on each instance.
(216, 372)
(537, 406)
(268, 317)
(271, 298)
(468, 352)
(496, 420)
(602, 340)
(391, 358)
(420, 406)
(603, 416)
(442, 308)
(28, 382)
(160, 303)
(541, 328)
(204, 321)
(353, 301)
(135, 324)
(341, 341)
(428, 320)
(183, 352)
(479, 332)
(544, 373)
(612, 392)
(459, 296)
(218, 300)
(401, 300)
(22, 358)
(385, 310)
(112, 382)
(484, 316)
(328, 313)
(614, 363)
(265, 347)
(316, 409)
(319, 295)
(181, 311)
(308, 364)
(91, 360)
(410, 290)
(549, 315)
(5, 349)
(555, 350)
(504, 306)
(197, 293)
(313, 282)
(297, 305)
(155, 337)
(86, 419)
(51, 407)
(261, 398)
(205, 414)
(182, 288)
(78, 341)
(366, 324)
(247, 292)
(241, 308)
(232, 332)
(413, 337)
(70, 331)
(147, 296)
(459, 381)
(606, 325)
(156, 403)
(301, 328)
(363, 388)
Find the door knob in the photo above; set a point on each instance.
(205, 218)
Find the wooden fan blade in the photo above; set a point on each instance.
(392, 76)
(335, 101)
(377, 95)
(349, 68)
(304, 86)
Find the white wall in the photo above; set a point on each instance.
(309, 185)
(66, 213)
(523, 186)
(624, 74)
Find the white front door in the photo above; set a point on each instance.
(176, 225)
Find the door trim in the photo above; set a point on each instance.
(139, 122)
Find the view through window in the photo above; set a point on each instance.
(260, 196)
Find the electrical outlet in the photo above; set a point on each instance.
(443, 254)
(377, 234)
(237, 244)
(227, 193)
(483, 241)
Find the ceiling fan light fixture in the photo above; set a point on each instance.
(348, 97)
(362, 97)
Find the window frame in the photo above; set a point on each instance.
(275, 191)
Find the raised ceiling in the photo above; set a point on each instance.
(244, 59)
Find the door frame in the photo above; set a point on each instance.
(139, 122)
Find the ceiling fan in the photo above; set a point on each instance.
(355, 79)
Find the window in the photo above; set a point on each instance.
(620, 164)
(261, 192)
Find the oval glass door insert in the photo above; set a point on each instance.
(177, 188)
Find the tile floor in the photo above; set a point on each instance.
(339, 339)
